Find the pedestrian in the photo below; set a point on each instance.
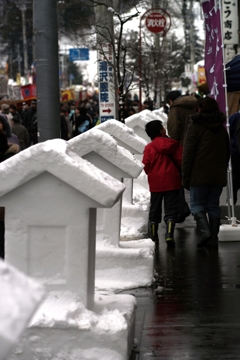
(6, 129)
(64, 125)
(15, 114)
(31, 123)
(6, 113)
(83, 120)
(6, 151)
(206, 153)
(21, 132)
(181, 107)
(162, 161)
(234, 121)
(25, 108)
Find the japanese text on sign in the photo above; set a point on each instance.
(106, 83)
(230, 21)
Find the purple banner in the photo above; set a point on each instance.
(213, 52)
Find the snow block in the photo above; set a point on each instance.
(125, 268)
(229, 233)
(63, 329)
(20, 297)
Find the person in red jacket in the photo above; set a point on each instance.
(162, 162)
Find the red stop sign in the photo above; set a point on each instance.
(157, 23)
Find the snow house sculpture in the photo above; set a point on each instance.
(138, 121)
(50, 197)
(102, 150)
(127, 138)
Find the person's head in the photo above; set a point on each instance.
(33, 104)
(12, 109)
(171, 96)
(5, 108)
(25, 106)
(155, 128)
(82, 110)
(131, 111)
(207, 105)
(4, 126)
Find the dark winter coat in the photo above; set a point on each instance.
(22, 134)
(206, 151)
(162, 160)
(179, 116)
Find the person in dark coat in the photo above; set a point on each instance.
(6, 151)
(83, 120)
(31, 123)
(181, 107)
(206, 153)
(234, 121)
(6, 129)
(162, 160)
(21, 132)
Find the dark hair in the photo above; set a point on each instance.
(208, 105)
(6, 127)
(3, 143)
(153, 128)
(172, 95)
(82, 109)
(12, 106)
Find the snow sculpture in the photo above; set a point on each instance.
(50, 196)
(127, 138)
(102, 150)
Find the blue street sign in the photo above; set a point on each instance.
(81, 54)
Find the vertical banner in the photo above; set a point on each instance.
(230, 22)
(213, 52)
(106, 83)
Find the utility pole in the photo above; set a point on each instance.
(47, 68)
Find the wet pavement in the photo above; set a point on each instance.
(193, 309)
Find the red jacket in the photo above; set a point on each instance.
(162, 160)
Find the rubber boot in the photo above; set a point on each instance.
(203, 227)
(153, 232)
(214, 224)
(169, 236)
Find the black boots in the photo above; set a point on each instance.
(214, 224)
(170, 225)
(153, 232)
(203, 227)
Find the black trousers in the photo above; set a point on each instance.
(171, 206)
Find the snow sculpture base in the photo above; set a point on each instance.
(229, 233)
(125, 268)
(20, 297)
(63, 329)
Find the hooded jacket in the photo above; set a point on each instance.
(206, 151)
(179, 116)
(162, 160)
